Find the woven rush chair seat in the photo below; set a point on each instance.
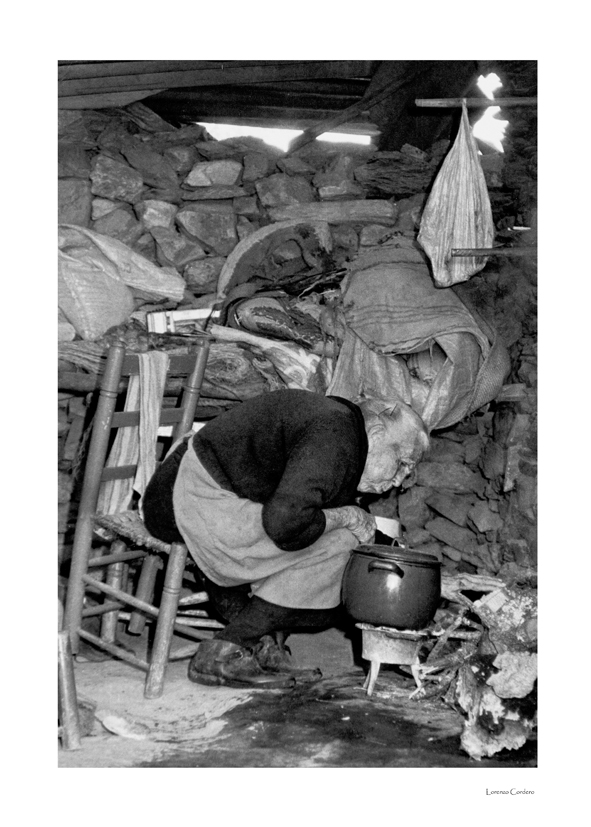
(110, 478)
(130, 525)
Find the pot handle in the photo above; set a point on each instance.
(385, 565)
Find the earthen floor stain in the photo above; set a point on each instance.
(334, 724)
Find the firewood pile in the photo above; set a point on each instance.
(484, 661)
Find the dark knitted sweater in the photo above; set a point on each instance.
(296, 452)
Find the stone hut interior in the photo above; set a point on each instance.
(346, 228)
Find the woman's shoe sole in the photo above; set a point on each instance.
(216, 680)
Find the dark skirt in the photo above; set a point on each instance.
(157, 500)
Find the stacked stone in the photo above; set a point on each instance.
(474, 500)
(184, 201)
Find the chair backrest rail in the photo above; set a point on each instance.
(127, 419)
(119, 472)
(180, 364)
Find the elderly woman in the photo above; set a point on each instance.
(264, 498)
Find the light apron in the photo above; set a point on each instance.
(225, 536)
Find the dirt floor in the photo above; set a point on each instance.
(329, 724)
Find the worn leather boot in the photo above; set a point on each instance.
(220, 662)
(274, 656)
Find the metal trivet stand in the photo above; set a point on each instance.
(401, 647)
(382, 644)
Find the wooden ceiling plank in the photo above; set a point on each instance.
(260, 94)
(222, 114)
(338, 86)
(229, 107)
(264, 111)
(107, 100)
(76, 62)
(208, 77)
(104, 69)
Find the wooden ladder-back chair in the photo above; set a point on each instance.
(127, 529)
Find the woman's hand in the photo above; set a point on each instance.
(358, 521)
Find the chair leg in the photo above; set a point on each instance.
(145, 591)
(114, 579)
(68, 701)
(166, 617)
(78, 568)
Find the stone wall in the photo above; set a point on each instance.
(474, 499)
(184, 200)
(473, 502)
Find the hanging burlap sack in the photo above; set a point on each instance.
(457, 213)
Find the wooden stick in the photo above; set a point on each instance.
(453, 585)
(355, 109)
(68, 701)
(191, 599)
(116, 558)
(367, 211)
(444, 103)
(108, 606)
(181, 620)
(192, 613)
(199, 622)
(114, 650)
(465, 635)
(494, 251)
(446, 635)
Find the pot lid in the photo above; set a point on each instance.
(399, 555)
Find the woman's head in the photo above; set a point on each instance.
(397, 440)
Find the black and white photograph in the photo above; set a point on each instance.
(319, 507)
(297, 414)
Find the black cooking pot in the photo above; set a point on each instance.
(391, 586)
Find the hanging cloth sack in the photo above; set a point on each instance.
(457, 213)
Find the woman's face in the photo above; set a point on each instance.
(384, 469)
(390, 462)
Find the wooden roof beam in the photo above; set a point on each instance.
(223, 75)
(371, 97)
(79, 69)
(262, 94)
